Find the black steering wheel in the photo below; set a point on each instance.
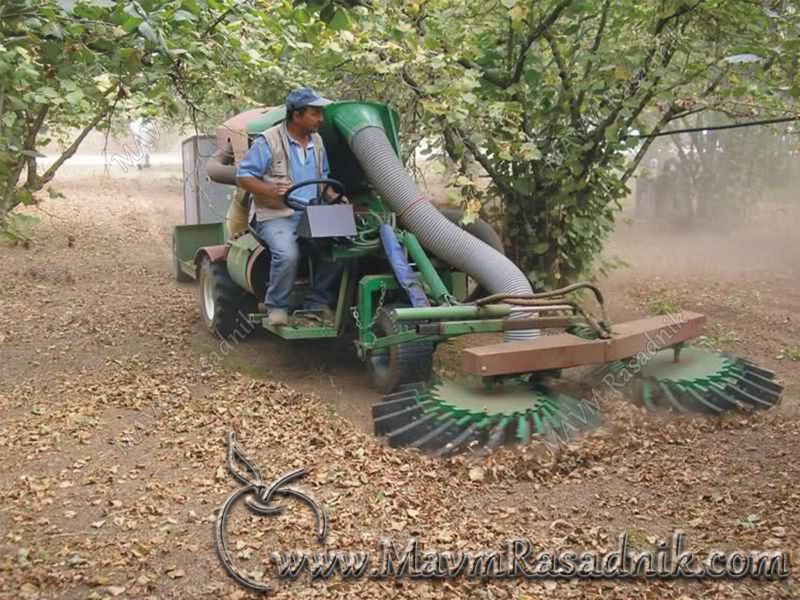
(334, 184)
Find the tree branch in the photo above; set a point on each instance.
(669, 116)
(29, 145)
(73, 147)
(411, 82)
(484, 161)
(534, 35)
(566, 81)
(519, 97)
(598, 39)
(645, 147)
(491, 76)
(635, 86)
(683, 10)
(2, 104)
(221, 17)
(580, 33)
(505, 81)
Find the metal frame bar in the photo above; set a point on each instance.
(344, 289)
(444, 330)
(469, 312)
(451, 328)
(435, 284)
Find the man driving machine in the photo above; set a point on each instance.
(279, 161)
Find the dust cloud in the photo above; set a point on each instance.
(720, 204)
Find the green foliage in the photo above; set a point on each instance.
(791, 353)
(665, 307)
(718, 338)
(548, 97)
(67, 67)
(18, 227)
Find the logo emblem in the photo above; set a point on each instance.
(258, 497)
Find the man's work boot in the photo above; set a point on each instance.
(277, 317)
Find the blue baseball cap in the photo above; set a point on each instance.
(305, 97)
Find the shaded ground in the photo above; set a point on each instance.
(99, 345)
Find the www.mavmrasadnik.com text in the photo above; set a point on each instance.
(521, 558)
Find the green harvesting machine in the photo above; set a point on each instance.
(413, 277)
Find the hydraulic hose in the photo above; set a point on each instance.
(402, 270)
(435, 232)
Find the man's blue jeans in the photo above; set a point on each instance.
(281, 236)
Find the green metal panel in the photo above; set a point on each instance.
(368, 287)
(188, 239)
(345, 290)
(352, 117)
(239, 253)
(300, 333)
(451, 328)
(456, 282)
(346, 252)
(188, 267)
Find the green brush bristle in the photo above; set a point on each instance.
(506, 410)
(701, 381)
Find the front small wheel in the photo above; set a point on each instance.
(223, 304)
(401, 364)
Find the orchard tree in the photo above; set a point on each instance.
(549, 96)
(67, 67)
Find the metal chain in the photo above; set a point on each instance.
(380, 306)
(356, 316)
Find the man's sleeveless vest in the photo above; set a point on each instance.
(278, 139)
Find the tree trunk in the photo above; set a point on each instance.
(527, 227)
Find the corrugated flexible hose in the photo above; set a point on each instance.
(435, 232)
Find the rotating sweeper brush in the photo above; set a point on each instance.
(691, 379)
(449, 416)
(513, 391)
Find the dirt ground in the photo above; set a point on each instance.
(113, 436)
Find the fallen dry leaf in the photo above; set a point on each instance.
(133, 425)
(477, 473)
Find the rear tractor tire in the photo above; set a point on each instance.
(401, 364)
(223, 304)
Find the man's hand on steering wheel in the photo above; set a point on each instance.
(333, 197)
(332, 193)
